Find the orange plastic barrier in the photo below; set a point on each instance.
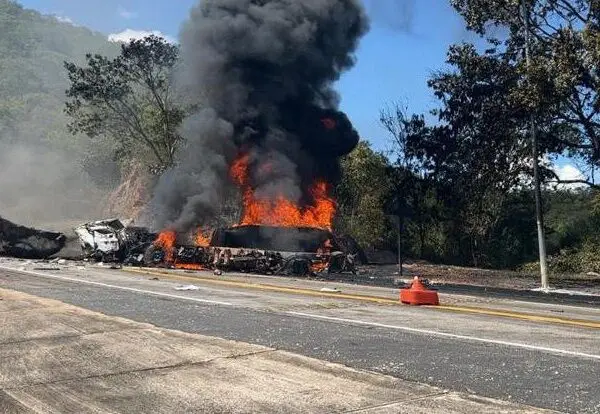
(418, 294)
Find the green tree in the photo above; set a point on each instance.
(129, 98)
(361, 196)
(477, 152)
(412, 197)
(563, 82)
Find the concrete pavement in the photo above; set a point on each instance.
(58, 358)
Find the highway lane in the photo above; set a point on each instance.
(349, 333)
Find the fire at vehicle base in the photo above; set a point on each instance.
(250, 261)
(266, 250)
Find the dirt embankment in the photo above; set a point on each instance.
(129, 198)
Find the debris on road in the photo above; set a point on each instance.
(28, 243)
(187, 287)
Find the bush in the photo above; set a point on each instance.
(582, 259)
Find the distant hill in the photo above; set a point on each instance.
(32, 78)
(42, 166)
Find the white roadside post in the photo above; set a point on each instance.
(536, 169)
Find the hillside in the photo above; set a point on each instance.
(33, 48)
(44, 169)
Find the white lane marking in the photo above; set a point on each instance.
(313, 316)
(89, 282)
(448, 335)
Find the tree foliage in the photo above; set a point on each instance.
(475, 153)
(563, 80)
(464, 177)
(129, 98)
(361, 195)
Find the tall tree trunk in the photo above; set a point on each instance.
(421, 240)
(474, 251)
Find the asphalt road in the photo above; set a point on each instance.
(536, 377)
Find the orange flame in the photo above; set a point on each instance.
(318, 267)
(189, 266)
(166, 241)
(202, 238)
(281, 211)
(239, 170)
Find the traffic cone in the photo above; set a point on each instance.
(418, 294)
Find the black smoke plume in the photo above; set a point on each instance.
(261, 74)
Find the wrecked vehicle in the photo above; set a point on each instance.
(28, 243)
(111, 241)
(256, 249)
(249, 248)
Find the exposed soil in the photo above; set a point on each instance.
(130, 197)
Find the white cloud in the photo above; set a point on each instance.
(64, 19)
(126, 14)
(569, 172)
(128, 35)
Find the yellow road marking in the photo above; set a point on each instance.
(262, 286)
(372, 299)
(521, 315)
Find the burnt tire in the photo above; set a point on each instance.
(154, 255)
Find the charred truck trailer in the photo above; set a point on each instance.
(256, 249)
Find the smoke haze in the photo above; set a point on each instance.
(43, 187)
(42, 182)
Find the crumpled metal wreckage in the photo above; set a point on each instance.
(251, 249)
(112, 241)
(28, 243)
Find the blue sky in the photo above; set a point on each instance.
(407, 42)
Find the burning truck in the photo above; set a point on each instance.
(259, 75)
(274, 250)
